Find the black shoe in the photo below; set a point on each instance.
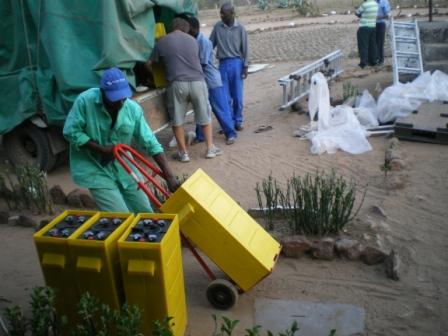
(362, 66)
(239, 127)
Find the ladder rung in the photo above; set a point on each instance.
(411, 70)
(407, 53)
(404, 38)
(404, 24)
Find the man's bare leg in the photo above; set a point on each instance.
(207, 129)
(180, 138)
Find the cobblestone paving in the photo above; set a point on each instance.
(303, 43)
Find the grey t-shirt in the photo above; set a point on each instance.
(230, 41)
(179, 53)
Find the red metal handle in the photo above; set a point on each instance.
(128, 156)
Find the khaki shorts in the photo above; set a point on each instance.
(180, 94)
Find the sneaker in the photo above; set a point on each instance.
(239, 127)
(182, 157)
(230, 141)
(213, 152)
(173, 143)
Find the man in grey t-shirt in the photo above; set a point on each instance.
(179, 53)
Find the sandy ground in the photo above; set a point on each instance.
(416, 215)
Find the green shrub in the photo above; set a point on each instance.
(316, 204)
(26, 188)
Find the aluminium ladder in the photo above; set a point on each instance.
(296, 85)
(406, 50)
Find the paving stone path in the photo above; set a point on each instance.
(303, 43)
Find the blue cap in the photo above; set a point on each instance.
(115, 85)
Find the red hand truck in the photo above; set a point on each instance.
(221, 293)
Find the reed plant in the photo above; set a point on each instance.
(349, 90)
(270, 189)
(26, 187)
(315, 204)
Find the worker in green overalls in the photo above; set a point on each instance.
(99, 119)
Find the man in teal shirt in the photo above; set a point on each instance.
(99, 119)
(366, 36)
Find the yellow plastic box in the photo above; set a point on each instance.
(158, 72)
(57, 266)
(152, 271)
(218, 226)
(96, 262)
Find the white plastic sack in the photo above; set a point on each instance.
(440, 85)
(345, 133)
(366, 111)
(400, 100)
(319, 101)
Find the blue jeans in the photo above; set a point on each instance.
(219, 102)
(231, 70)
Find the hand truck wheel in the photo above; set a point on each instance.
(222, 294)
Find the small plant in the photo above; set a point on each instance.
(17, 322)
(349, 90)
(45, 320)
(386, 167)
(263, 5)
(254, 331)
(288, 332)
(164, 328)
(226, 326)
(100, 319)
(271, 191)
(305, 7)
(29, 192)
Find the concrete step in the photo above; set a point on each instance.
(433, 32)
(435, 52)
(436, 65)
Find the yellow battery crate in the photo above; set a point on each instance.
(151, 263)
(218, 226)
(95, 255)
(158, 72)
(57, 266)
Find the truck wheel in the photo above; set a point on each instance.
(222, 294)
(29, 145)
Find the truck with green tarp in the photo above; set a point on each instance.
(52, 50)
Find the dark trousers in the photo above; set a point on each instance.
(380, 34)
(367, 46)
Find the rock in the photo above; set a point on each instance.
(392, 265)
(397, 164)
(348, 248)
(23, 221)
(295, 246)
(396, 182)
(372, 256)
(58, 195)
(87, 201)
(375, 209)
(323, 249)
(393, 154)
(79, 198)
(354, 253)
(393, 143)
(4, 216)
(74, 198)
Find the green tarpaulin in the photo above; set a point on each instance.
(51, 50)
